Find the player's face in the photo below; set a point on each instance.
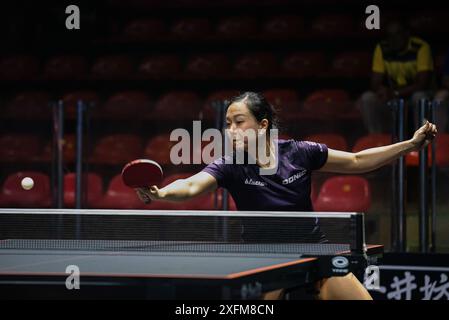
(242, 126)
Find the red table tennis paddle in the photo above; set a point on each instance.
(142, 173)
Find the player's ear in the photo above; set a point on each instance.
(263, 124)
(263, 127)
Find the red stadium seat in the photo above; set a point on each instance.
(13, 195)
(237, 27)
(69, 149)
(19, 67)
(126, 104)
(412, 159)
(352, 64)
(330, 25)
(371, 141)
(208, 66)
(117, 149)
(145, 29)
(326, 103)
(442, 149)
(160, 67)
(344, 194)
(119, 196)
(286, 102)
(71, 99)
(65, 67)
(256, 65)
(29, 105)
(158, 149)
(112, 67)
(332, 140)
(191, 28)
(304, 64)
(283, 26)
(177, 106)
(20, 147)
(207, 112)
(441, 153)
(94, 189)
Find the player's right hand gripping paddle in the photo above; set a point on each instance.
(142, 173)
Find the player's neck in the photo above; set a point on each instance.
(271, 154)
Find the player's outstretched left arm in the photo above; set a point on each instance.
(374, 158)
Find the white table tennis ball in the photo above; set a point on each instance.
(27, 183)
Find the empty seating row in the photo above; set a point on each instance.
(170, 66)
(117, 149)
(340, 193)
(179, 105)
(280, 26)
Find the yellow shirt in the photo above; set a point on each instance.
(402, 67)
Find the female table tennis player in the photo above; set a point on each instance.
(251, 111)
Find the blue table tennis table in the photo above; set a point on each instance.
(123, 269)
(175, 254)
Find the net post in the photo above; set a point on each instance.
(219, 107)
(220, 124)
(398, 218)
(58, 156)
(79, 153)
(358, 222)
(433, 189)
(394, 234)
(401, 221)
(423, 188)
(79, 162)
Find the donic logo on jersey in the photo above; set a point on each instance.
(255, 183)
(294, 177)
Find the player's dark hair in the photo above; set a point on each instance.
(259, 107)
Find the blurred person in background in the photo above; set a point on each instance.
(402, 68)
